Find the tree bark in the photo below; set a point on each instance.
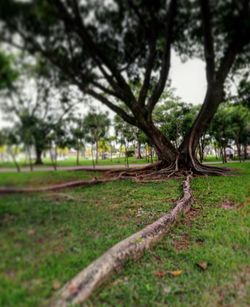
(14, 160)
(238, 149)
(138, 151)
(77, 155)
(165, 150)
(213, 98)
(39, 160)
(96, 151)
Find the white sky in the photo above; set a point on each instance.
(187, 78)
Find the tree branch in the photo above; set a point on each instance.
(240, 38)
(128, 118)
(148, 71)
(208, 39)
(107, 90)
(73, 23)
(158, 89)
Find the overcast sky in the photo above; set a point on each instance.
(187, 78)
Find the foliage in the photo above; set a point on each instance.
(231, 123)
(174, 118)
(8, 74)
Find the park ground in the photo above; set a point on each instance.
(71, 162)
(47, 238)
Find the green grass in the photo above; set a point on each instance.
(36, 179)
(46, 239)
(71, 161)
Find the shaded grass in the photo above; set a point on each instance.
(46, 239)
(36, 179)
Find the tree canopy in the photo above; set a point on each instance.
(107, 48)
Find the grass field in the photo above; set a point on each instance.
(71, 161)
(46, 239)
(36, 179)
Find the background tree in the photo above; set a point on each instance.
(239, 118)
(174, 118)
(125, 134)
(77, 133)
(221, 131)
(57, 139)
(36, 101)
(96, 126)
(12, 141)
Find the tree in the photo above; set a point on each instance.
(126, 43)
(125, 134)
(36, 110)
(11, 139)
(77, 136)
(221, 130)
(8, 73)
(239, 118)
(174, 118)
(57, 138)
(96, 126)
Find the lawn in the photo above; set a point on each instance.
(71, 161)
(46, 239)
(45, 178)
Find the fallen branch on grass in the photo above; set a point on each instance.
(87, 281)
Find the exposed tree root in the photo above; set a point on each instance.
(87, 281)
(210, 170)
(162, 171)
(133, 171)
(61, 186)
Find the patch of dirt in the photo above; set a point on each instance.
(7, 218)
(10, 274)
(182, 243)
(228, 204)
(231, 205)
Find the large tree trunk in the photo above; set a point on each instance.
(187, 149)
(96, 151)
(165, 150)
(138, 150)
(39, 160)
(238, 149)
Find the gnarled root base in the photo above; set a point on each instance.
(162, 171)
(87, 281)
